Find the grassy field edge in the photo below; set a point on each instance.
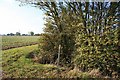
(16, 65)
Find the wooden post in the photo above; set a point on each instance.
(59, 50)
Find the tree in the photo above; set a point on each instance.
(31, 33)
(85, 33)
(18, 34)
(11, 34)
(98, 37)
(37, 34)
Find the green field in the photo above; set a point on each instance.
(18, 41)
(16, 65)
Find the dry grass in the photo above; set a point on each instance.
(95, 73)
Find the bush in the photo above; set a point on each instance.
(32, 54)
(48, 47)
(96, 51)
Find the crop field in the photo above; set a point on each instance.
(9, 42)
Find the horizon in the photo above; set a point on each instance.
(23, 19)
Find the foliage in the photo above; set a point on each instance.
(88, 33)
(97, 44)
(57, 32)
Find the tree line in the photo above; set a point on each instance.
(19, 34)
(81, 34)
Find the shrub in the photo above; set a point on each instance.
(96, 51)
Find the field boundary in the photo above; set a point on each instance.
(9, 42)
(18, 46)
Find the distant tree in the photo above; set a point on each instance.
(8, 34)
(24, 34)
(11, 34)
(37, 34)
(18, 34)
(31, 33)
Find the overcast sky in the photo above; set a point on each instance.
(14, 18)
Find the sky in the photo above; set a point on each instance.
(24, 19)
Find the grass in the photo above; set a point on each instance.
(18, 41)
(16, 65)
